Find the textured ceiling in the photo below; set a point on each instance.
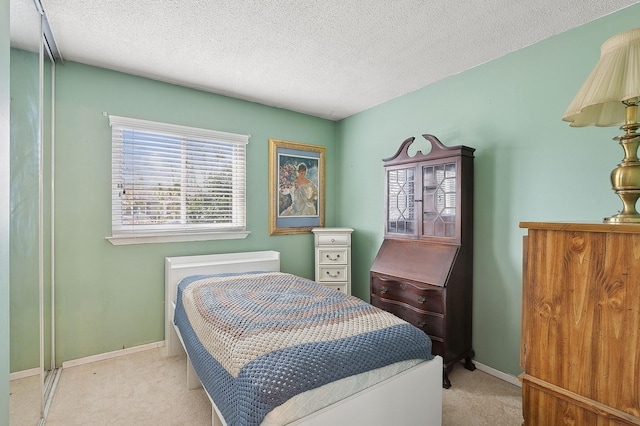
(327, 58)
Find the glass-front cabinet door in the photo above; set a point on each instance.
(401, 211)
(439, 188)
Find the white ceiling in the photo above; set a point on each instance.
(327, 58)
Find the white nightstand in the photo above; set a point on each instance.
(333, 257)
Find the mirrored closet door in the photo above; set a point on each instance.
(32, 342)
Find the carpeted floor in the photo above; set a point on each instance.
(145, 388)
(479, 399)
(24, 401)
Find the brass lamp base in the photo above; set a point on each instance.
(619, 218)
(625, 179)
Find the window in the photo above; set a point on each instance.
(176, 183)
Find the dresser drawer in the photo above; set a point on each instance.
(429, 322)
(437, 346)
(336, 256)
(333, 240)
(424, 298)
(332, 273)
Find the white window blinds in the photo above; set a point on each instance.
(169, 179)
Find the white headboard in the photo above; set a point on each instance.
(179, 267)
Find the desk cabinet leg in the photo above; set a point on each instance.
(446, 383)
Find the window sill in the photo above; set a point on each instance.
(174, 238)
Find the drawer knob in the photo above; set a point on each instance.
(384, 290)
(421, 299)
(336, 275)
(333, 259)
(333, 240)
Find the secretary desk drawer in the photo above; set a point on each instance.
(337, 256)
(424, 298)
(429, 322)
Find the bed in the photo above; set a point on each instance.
(407, 392)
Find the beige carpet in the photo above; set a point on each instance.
(146, 388)
(143, 388)
(24, 401)
(479, 399)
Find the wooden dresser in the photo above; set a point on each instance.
(580, 348)
(423, 271)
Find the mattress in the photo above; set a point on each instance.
(264, 340)
(313, 400)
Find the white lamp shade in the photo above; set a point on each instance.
(615, 78)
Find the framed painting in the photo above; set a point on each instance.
(296, 187)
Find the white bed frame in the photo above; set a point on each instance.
(413, 397)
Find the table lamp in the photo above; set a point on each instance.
(610, 97)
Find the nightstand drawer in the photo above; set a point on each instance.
(333, 240)
(332, 273)
(341, 287)
(332, 256)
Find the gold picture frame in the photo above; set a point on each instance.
(296, 187)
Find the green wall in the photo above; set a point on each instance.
(112, 297)
(529, 165)
(4, 211)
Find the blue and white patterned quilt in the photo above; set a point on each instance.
(258, 339)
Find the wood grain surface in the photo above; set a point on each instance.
(581, 325)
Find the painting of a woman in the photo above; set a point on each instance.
(303, 194)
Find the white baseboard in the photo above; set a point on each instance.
(108, 355)
(24, 373)
(497, 373)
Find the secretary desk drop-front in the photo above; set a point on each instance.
(423, 271)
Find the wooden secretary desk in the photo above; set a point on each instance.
(423, 271)
(580, 348)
